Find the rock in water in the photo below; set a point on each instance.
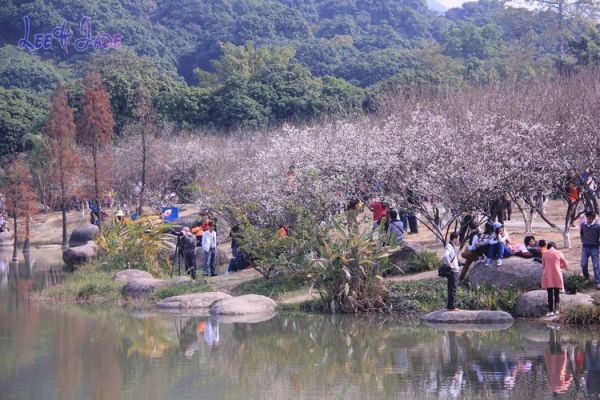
(83, 234)
(192, 300)
(244, 305)
(468, 317)
(520, 273)
(534, 304)
(128, 274)
(74, 256)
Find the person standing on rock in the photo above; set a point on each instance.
(552, 280)
(590, 240)
(451, 260)
(189, 251)
(209, 245)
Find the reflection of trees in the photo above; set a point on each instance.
(107, 353)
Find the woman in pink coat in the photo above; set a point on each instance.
(552, 280)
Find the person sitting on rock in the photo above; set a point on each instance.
(552, 279)
(499, 246)
(529, 248)
(473, 250)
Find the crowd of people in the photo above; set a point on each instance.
(494, 245)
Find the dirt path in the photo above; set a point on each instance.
(227, 282)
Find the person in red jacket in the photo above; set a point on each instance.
(379, 210)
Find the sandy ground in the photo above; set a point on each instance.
(47, 229)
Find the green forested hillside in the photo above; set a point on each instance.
(226, 63)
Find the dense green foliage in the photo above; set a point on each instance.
(224, 64)
(416, 298)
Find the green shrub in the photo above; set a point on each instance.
(412, 299)
(140, 244)
(278, 285)
(580, 314)
(424, 261)
(579, 282)
(348, 272)
(86, 285)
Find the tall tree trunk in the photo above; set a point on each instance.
(27, 232)
(96, 186)
(561, 48)
(143, 188)
(65, 242)
(63, 196)
(16, 242)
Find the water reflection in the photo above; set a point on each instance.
(107, 353)
(110, 353)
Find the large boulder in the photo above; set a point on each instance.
(130, 274)
(401, 258)
(192, 300)
(468, 317)
(83, 234)
(244, 305)
(145, 287)
(534, 304)
(74, 256)
(520, 273)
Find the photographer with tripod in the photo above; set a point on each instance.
(189, 251)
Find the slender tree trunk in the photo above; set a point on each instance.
(65, 242)
(27, 232)
(16, 242)
(96, 186)
(63, 196)
(143, 188)
(561, 49)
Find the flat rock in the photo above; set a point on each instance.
(520, 273)
(534, 304)
(81, 235)
(192, 300)
(128, 274)
(144, 287)
(74, 256)
(468, 317)
(244, 305)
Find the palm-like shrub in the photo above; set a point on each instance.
(141, 244)
(348, 272)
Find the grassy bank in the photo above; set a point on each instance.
(275, 287)
(89, 285)
(413, 299)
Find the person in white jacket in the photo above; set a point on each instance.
(451, 260)
(209, 246)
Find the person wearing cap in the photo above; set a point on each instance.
(590, 241)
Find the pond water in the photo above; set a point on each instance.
(61, 352)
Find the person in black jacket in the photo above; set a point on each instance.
(590, 241)
(189, 251)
